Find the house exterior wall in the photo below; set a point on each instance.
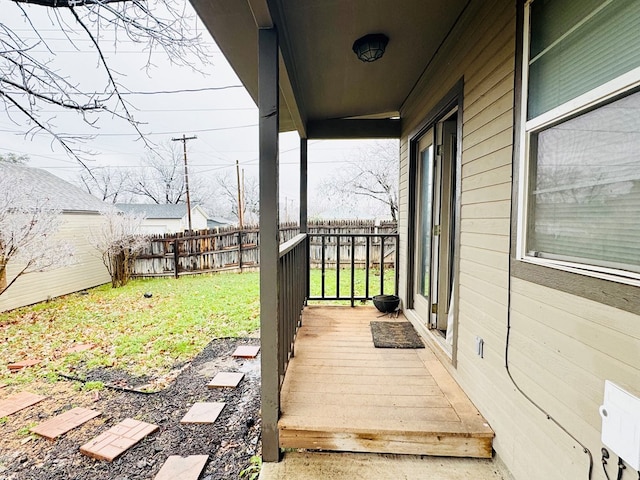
(198, 220)
(562, 347)
(88, 271)
(161, 226)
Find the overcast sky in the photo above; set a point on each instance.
(224, 120)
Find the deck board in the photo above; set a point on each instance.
(341, 393)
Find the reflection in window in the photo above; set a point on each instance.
(585, 198)
(426, 209)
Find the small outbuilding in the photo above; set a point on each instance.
(169, 218)
(81, 215)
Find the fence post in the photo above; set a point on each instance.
(240, 250)
(176, 257)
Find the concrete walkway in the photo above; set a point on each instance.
(357, 466)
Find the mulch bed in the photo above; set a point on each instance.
(230, 441)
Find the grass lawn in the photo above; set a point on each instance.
(142, 336)
(345, 282)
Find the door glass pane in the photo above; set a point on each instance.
(426, 209)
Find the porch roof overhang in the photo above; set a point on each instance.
(325, 91)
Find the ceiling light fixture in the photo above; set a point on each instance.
(370, 47)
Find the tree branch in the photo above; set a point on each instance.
(112, 81)
(67, 3)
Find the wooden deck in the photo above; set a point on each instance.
(341, 393)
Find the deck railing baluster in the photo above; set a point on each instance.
(381, 265)
(353, 270)
(367, 270)
(370, 243)
(338, 266)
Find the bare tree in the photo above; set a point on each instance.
(372, 174)
(30, 84)
(227, 190)
(106, 183)
(161, 179)
(28, 226)
(119, 241)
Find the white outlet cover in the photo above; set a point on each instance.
(621, 423)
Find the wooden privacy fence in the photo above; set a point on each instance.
(229, 248)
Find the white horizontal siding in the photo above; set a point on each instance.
(87, 270)
(549, 328)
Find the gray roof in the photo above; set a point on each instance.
(58, 192)
(153, 210)
(218, 222)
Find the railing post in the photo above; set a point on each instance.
(303, 209)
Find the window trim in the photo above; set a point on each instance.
(526, 129)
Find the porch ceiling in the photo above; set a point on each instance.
(321, 78)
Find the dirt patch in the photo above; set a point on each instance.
(230, 441)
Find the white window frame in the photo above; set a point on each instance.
(528, 128)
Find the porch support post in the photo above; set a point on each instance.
(303, 185)
(269, 241)
(303, 211)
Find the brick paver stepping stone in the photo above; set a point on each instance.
(203, 412)
(246, 351)
(81, 347)
(226, 379)
(14, 367)
(114, 442)
(18, 401)
(182, 468)
(61, 424)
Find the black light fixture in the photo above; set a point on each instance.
(370, 47)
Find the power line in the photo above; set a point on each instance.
(170, 110)
(184, 90)
(151, 92)
(98, 134)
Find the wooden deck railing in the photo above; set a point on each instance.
(294, 260)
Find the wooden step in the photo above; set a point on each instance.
(379, 441)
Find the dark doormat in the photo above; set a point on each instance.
(395, 335)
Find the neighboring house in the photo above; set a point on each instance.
(81, 214)
(519, 194)
(167, 218)
(218, 222)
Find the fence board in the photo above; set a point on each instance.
(227, 248)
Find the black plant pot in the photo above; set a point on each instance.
(386, 303)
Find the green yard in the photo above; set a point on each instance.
(142, 336)
(139, 335)
(345, 282)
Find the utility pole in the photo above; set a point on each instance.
(186, 172)
(240, 199)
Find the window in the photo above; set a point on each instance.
(581, 114)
